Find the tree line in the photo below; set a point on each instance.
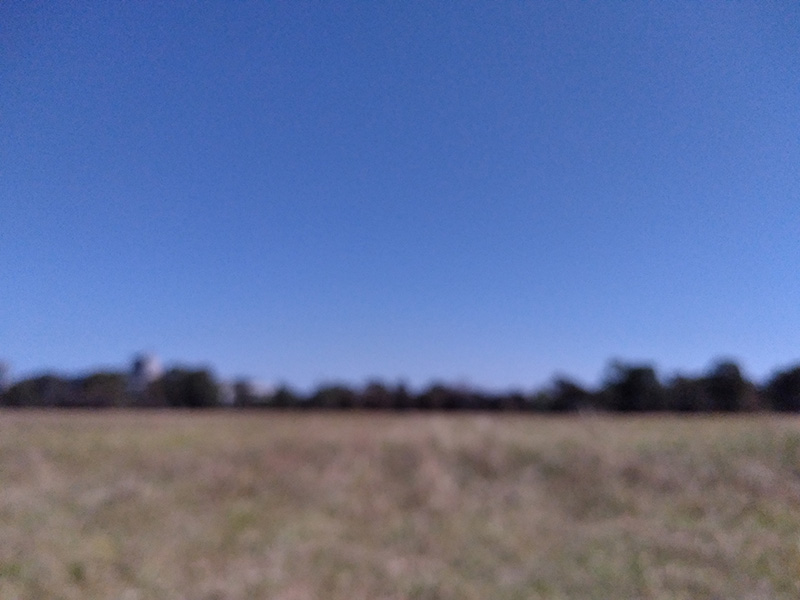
(627, 387)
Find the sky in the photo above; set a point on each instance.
(481, 193)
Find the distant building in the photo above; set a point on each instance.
(247, 393)
(227, 393)
(145, 370)
(5, 381)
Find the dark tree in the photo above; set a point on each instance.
(632, 388)
(334, 396)
(783, 390)
(514, 401)
(23, 393)
(442, 397)
(243, 393)
(567, 396)
(377, 395)
(285, 397)
(539, 400)
(728, 390)
(105, 389)
(402, 398)
(687, 394)
(44, 391)
(190, 388)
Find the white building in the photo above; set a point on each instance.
(145, 369)
(5, 380)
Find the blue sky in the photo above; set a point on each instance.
(485, 193)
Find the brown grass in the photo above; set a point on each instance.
(202, 506)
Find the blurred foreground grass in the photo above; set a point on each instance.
(202, 506)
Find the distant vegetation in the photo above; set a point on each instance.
(626, 388)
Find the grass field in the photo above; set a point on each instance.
(202, 506)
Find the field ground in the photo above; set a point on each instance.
(202, 506)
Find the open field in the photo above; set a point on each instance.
(202, 506)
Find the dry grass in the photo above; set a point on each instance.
(363, 506)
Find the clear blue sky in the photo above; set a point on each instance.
(475, 192)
